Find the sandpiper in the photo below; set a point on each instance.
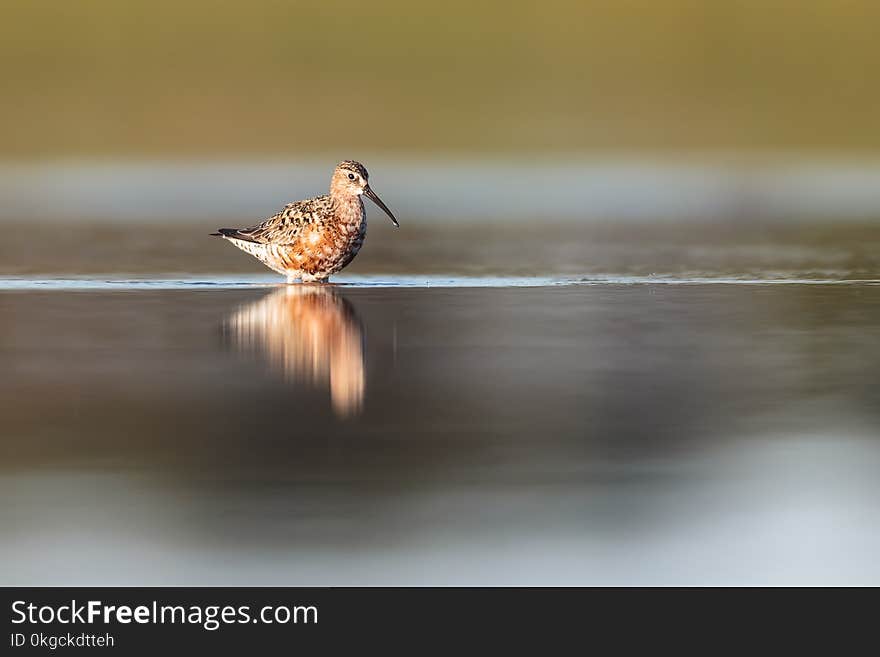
(312, 239)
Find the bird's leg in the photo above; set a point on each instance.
(315, 278)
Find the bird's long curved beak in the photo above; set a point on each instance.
(375, 199)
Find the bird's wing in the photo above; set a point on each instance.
(282, 227)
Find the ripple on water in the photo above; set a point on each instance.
(225, 281)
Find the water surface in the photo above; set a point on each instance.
(563, 433)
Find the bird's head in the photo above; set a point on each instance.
(351, 178)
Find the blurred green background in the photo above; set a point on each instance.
(608, 129)
(272, 77)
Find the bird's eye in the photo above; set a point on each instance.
(351, 176)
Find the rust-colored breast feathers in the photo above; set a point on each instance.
(315, 237)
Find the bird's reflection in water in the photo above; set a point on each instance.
(307, 333)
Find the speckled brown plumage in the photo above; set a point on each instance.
(312, 239)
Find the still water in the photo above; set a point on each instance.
(533, 432)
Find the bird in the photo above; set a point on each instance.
(310, 240)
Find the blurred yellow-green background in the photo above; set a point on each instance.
(273, 77)
(644, 118)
